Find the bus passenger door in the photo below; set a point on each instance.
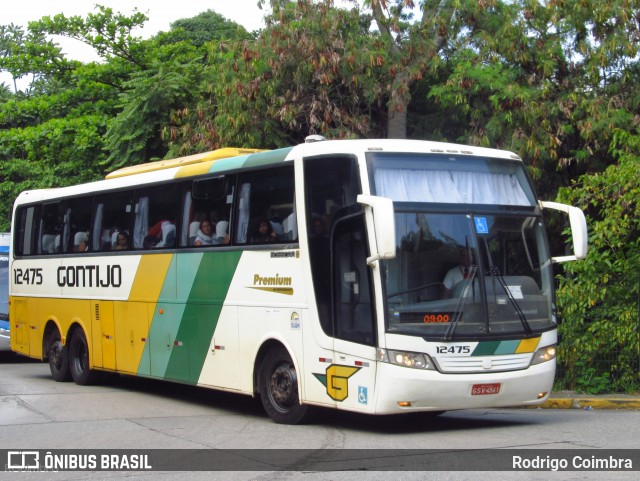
(354, 364)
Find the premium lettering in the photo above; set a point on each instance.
(271, 281)
(90, 276)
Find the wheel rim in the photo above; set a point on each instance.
(282, 387)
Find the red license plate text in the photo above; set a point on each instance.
(484, 389)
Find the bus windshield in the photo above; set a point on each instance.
(460, 276)
(471, 256)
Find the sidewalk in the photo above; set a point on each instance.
(572, 400)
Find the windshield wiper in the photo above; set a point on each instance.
(495, 273)
(461, 302)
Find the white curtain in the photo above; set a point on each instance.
(452, 187)
(186, 217)
(141, 223)
(96, 236)
(243, 212)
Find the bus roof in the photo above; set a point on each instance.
(234, 159)
(181, 161)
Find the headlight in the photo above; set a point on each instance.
(415, 360)
(544, 354)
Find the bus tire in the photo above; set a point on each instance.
(58, 356)
(79, 360)
(278, 383)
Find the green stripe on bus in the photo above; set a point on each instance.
(489, 348)
(268, 157)
(168, 313)
(209, 289)
(231, 163)
(507, 347)
(486, 348)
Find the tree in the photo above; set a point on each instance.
(309, 71)
(550, 81)
(205, 27)
(598, 297)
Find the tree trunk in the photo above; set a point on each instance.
(397, 123)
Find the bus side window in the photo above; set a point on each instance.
(155, 218)
(51, 225)
(28, 218)
(111, 217)
(206, 212)
(77, 224)
(265, 205)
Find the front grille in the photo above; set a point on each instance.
(511, 362)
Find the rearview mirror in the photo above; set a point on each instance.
(578, 225)
(384, 227)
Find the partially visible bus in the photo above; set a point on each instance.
(5, 239)
(315, 275)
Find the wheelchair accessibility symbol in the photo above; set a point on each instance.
(363, 397)
(481, 225)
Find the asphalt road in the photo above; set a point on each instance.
(37, 413)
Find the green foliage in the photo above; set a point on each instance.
(598, 297)
(72, 149)
(108, 32)
(203, 28)
(133, 136)
(548, 80)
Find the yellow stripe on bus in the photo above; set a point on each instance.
(528, 345)
(180, 162)
(150, 277)
(132, 337)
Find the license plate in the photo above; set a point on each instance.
(484, 389)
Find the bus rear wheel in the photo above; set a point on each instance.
(278, 384)
(79, 360)
(58, 356)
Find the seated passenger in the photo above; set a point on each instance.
(122, 241)
(457, 274)
(263, 232)
(204, 236)
(81, 241)
(48, 244)
(162, 234)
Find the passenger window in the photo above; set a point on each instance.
(207, 212)
(155, 215)
(77, 225)
(266, 211)
(26, 236)
(51, 228)
(112, 222)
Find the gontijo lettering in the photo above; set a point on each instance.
(90, 276)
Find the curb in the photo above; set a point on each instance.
(588, 403)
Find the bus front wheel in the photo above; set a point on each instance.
(279, 388)
(58, 356)
(79, 360)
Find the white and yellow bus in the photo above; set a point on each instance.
(378, 276)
